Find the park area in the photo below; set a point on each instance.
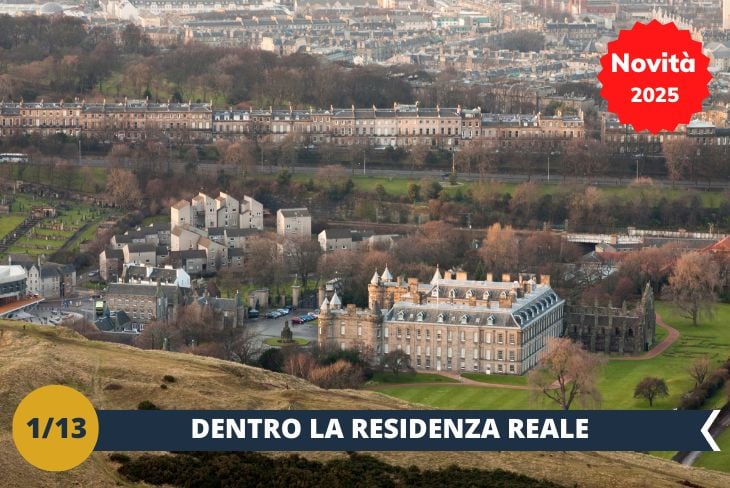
(73, 224)
(617, 382)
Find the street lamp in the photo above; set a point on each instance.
(638, 156)
(551, 153)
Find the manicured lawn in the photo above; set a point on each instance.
(719, 461)
(390, 378)
(618, 379)
(502, 379)
(465, 397)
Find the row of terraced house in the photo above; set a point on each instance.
(397, 126)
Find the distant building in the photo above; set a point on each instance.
(111, 261)
(193, 261)
(531, 131)
(451, 323)
(151, 275)
(146, 303)
(47, 279)
(224, 211)
(140, 253)
(294, 223)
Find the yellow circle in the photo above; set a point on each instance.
(55, 428)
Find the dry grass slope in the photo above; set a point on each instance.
(37, 356)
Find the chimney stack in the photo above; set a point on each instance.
(506, 278)
(545, 280)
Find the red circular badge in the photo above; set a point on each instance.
(654, 76)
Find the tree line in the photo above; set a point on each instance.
(60, 57)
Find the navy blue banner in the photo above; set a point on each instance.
(405, 430)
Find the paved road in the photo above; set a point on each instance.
(210, 168)
(268, 328)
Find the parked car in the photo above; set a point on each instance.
(273, 314)
(253, 313)
(285, 310)
(297, 320)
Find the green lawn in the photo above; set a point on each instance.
(465, 397)
(47, 237)
(502, 379)
(719, 461)
(618, 379)
(9, 222)
(85, 179)
(390, 378)
(399, 187)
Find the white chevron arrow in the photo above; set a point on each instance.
(706, 430)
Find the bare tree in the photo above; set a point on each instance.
(499, 250)
(240, 154)
(693, 285)
(417, 156)
(302, 256)
(680, 155)
(649, 388)
(699, 369)
(123, 188)
(245, 346)
(583, 157)
(265, 264)
(567, 372)
(396, 361)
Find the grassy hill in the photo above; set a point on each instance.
(37, 356)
